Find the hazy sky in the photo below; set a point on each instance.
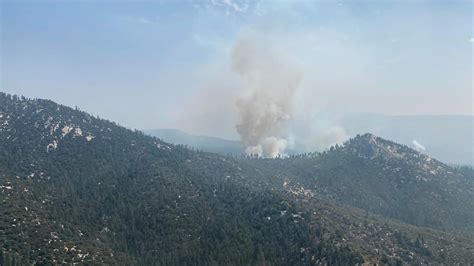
(166, 64)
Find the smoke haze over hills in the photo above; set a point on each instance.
(236, 132)
(452, 142)
(271, 82)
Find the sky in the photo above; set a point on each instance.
(168, 64)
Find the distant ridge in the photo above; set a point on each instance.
(449, 138)
(205, 143)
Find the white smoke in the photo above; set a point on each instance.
(270, 147)
(418, 146)
(313, 131)
(330, 137)
(271, 80)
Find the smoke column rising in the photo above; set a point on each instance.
(271, 80)
(418, 146)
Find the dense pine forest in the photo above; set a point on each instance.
(75, 188)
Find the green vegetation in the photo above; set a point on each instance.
(75, 188)
(384, 178)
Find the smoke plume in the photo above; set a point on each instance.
(330, 137)
(271, 81)
(418, 146)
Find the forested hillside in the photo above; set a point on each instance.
(385, 178)
(75, 188)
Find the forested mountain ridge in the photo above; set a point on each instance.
(386, 178)
(447, 138)
(74, 188)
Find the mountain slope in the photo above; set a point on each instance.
(74, 188)
(386, 178)
(87, 190)
(448, 138)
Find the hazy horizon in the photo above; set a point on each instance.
(162, 64)
(236, 132)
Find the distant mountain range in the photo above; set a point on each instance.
(205, 143)
(78, 189)
(447, 138)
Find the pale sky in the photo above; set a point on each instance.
(166, 64)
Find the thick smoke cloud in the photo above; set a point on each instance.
(271, 81)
